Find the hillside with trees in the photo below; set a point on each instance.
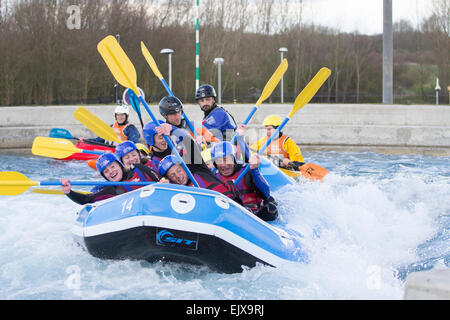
(48, 53)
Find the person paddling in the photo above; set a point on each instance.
(125, 130)
(216, 119)
(171, 108)
(171, 168)
(285, 150)
(112, 169)
(253, 188)
(158, 147)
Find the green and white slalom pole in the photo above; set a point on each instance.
(197, 46)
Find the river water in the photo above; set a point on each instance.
(373, 220)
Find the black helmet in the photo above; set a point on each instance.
(170, 105)
(205, 91)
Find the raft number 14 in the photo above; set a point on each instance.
(234, 310)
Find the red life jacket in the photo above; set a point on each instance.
(249, 195)
(210, 182)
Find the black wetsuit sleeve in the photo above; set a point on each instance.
(102, 194)
(80, 198)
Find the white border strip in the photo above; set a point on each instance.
(184, 225)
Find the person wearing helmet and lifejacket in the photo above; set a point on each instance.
(171, 109)
(158, 147)
(253, 187)
(283, 147)
(125, 130)
(127, 154)
(130, 154)
(216, 119)
(171, 168)
(112, 169)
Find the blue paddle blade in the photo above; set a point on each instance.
(135, 102)
(60, 133)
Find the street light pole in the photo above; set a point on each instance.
(388, 54)
(169, 53)
(437, 88)
(282, 50)
(219, 62)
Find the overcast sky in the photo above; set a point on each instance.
(366, 16)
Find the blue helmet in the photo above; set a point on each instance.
(149, 132)
(166, 163)
(105, 160)
(222, 149)
(125, 148)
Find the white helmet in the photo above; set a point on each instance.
(122, 108)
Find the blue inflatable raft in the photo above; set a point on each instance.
(167, 222)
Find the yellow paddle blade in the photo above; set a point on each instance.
(118, 63)
(53, 147)
(151, 62)
(310, 90)
(96, 125)
(53, 191)
(273, 82)
(14, 183)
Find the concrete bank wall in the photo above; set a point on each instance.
(428, 285)
(398, 128)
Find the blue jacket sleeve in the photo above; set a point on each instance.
(219, 119)
(225, 120)
(260, 182)
(132, 133)
(98, 139)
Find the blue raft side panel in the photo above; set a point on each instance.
(274, 176)
(184, 224)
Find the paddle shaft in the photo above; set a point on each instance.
(302, 99)
(97, 183)
(91, 152)
(96, 143)
(154, 67)
(267, 91)
(124, 72)
(264, 147)
(15, 183)
(135, 104)
(65, 134)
